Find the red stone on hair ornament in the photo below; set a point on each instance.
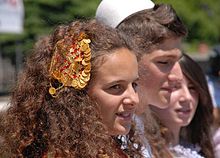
(71, 65)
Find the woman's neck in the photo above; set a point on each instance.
(175, 130)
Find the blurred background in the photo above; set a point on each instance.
(22, 22)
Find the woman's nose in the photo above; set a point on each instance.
(131, 97)
(186, 95)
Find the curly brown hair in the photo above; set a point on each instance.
(154, 135)
(69, 125)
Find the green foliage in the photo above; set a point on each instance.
(41, 16)
(201, 17)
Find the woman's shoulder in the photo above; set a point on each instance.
(180, 151)
(216, 137)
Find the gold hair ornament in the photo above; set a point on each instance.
(71, 65)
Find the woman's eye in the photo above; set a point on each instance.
(115, 89)
(191, 88)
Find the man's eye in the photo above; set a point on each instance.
(135, 85)
(162, 62)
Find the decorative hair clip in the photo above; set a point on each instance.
(71, 65)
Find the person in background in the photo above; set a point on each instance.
(157, 32)
(71, 100)
(214, 75)
(213, 78)
(186, 123)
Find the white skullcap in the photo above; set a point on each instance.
(113, 12)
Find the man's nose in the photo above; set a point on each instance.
(175, 73)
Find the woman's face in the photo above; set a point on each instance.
(114, 89)
(183, 104)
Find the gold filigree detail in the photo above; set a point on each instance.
(71, 65)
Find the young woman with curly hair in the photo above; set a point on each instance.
(75, 96)
(186, 123)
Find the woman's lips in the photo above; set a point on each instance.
(168, 89)
(183, 112)
(127, 116)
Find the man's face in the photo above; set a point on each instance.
(159, 73)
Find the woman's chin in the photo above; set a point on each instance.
(122, 130)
